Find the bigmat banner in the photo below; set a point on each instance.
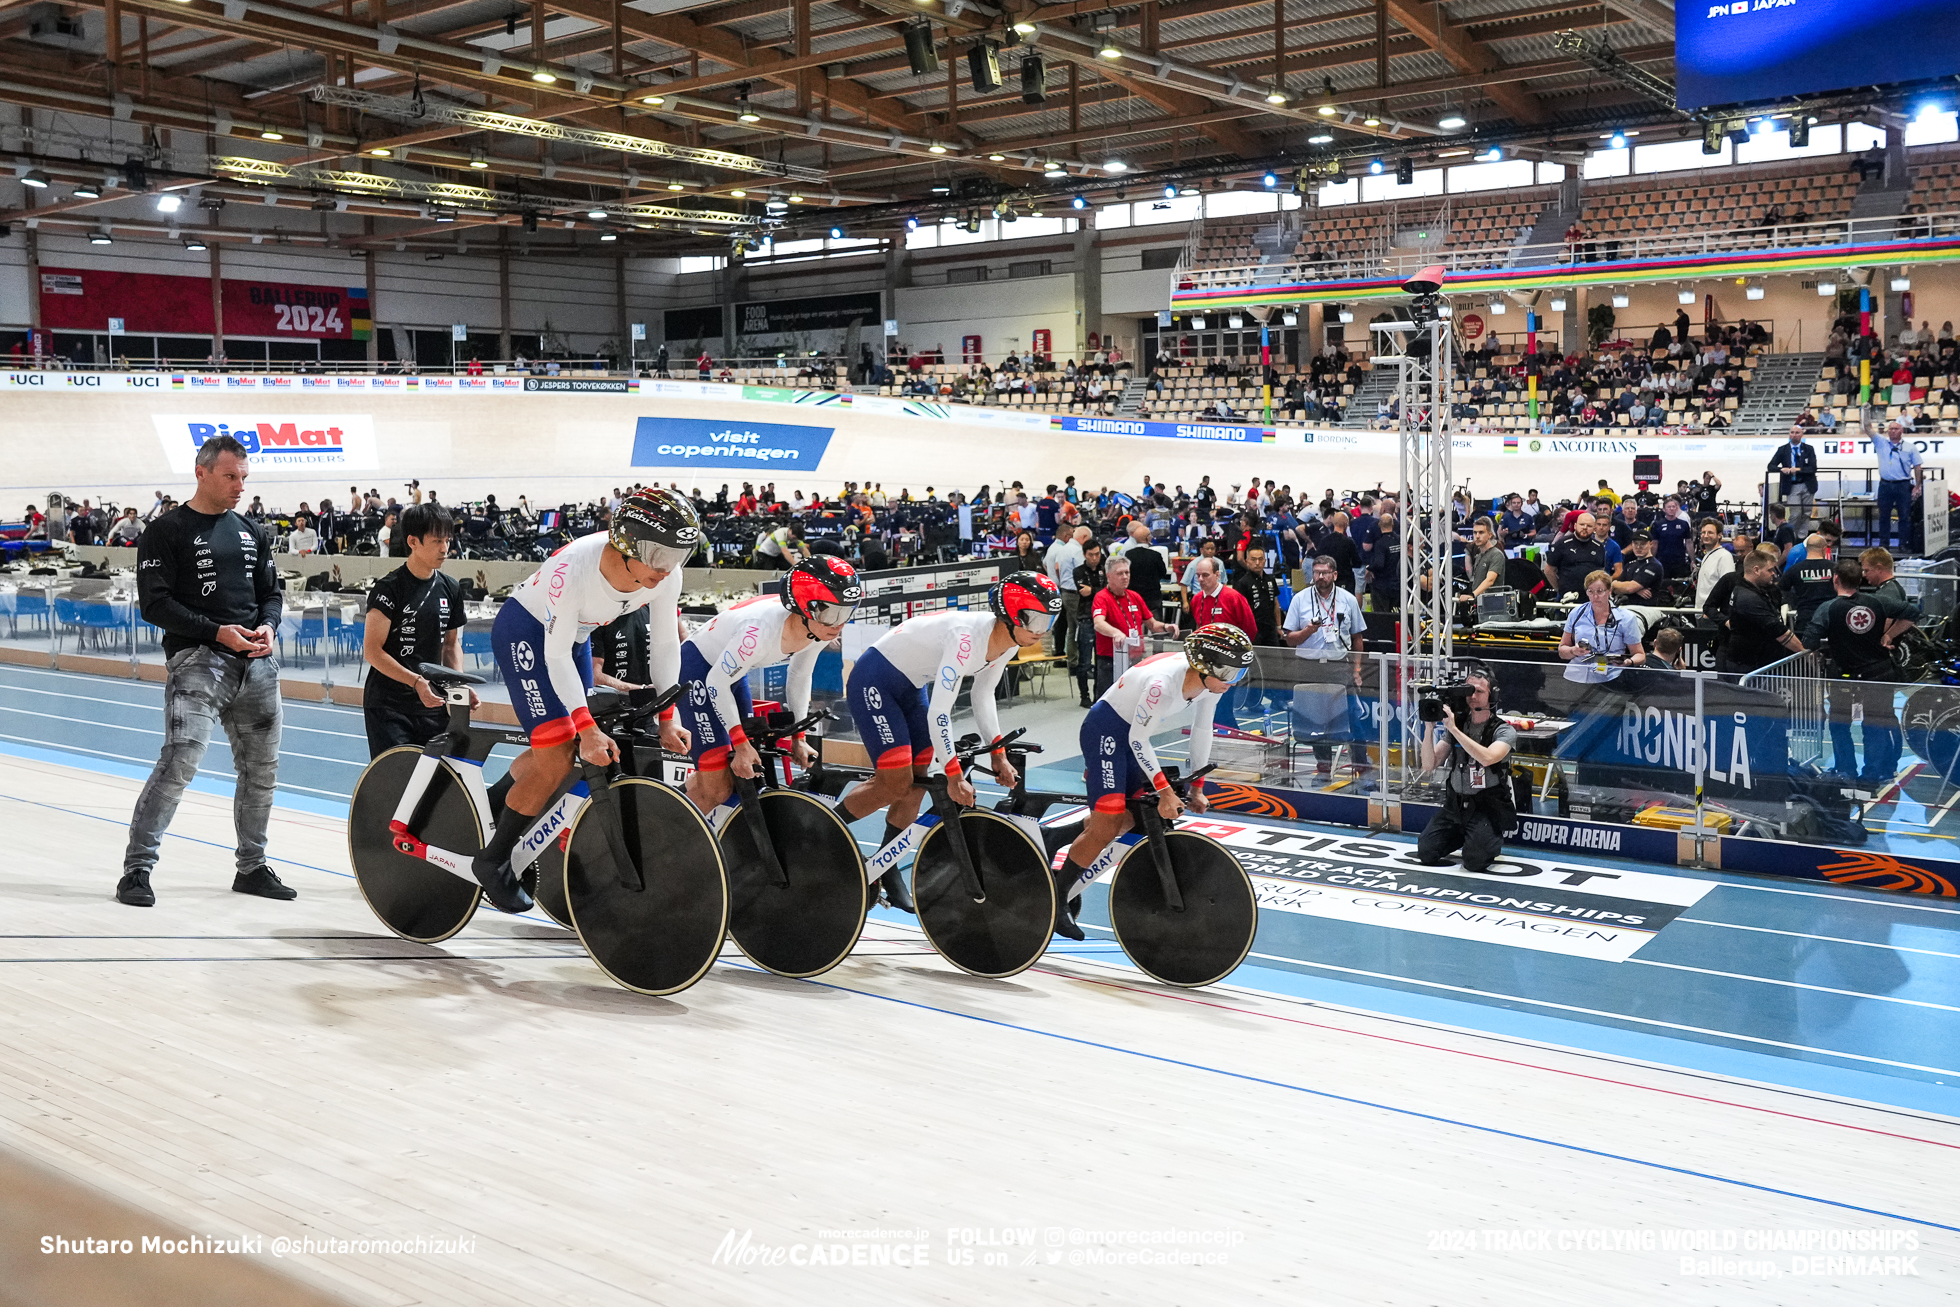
(313, 442)
(84, 299)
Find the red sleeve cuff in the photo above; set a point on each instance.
(1160, 782)
(667, 714)
(738, 736)
(953, 767)
(582, 719)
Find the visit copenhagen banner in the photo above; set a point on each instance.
(699, 442)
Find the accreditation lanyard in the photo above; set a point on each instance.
(1600, 650)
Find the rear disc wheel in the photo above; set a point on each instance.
(1005, 935)
(1205, 942)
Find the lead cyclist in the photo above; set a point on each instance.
(542, 640)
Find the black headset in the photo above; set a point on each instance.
(1477, 667)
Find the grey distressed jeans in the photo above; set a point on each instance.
(205, 688)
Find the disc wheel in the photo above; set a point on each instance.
(662, 938)
(544, 880)
(417, 900)
(1924, 707)
(1207, 940)
(1004, 935)
(808, 926)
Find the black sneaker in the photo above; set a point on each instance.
(896, 892)
(260, 881)
(134, 889)
(1066, 908)
(500, 884)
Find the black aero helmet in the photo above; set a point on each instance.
(824, 589)
(656, 526)
(1027, 599)
(1220, 650)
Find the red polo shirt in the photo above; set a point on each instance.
(1228, 605)
(1127, 613)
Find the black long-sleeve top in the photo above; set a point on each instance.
(196, 572)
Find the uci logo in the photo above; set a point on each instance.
(521, 654)
(873, 699)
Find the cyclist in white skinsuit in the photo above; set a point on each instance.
(1118, 758)
(542, 640)
(819, 595)
(906, 736)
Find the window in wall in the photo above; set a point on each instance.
(963, 276)
(1342, 192)
(1428, 181)
(1764, 147)
(1165, 257)
(1608, 163)
(1935, 127)
(1151, 212)
(1490, 176)
(923, 238)
(1234, 204)
(1031, 268)
(1112, 216)
(701, 263)
(1673, 156)
(951, 234)
(1549, 173)
(1859, 137)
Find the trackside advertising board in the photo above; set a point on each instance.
(699, 442)
(274, 442)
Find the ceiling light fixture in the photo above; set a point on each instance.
(1327, 109)
(1371, 121)
(1115, 165)
(88, 191)
(1454, 122)
(194, 245)
(381, 152)
(608, 235)
(937, 147)
(99, 238)
(1053, 170)
(169, 203)
(271, 134)
(1321, 138)
(739, 195)
(35, 178)
(543, 78)
(1110, 50)
(676, 186)
(1025, 28)
(1277, 95)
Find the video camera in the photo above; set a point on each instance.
(1431, 696)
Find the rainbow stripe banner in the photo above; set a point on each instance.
(1731, 263)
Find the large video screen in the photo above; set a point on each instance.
(1751, 50)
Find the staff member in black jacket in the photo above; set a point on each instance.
(414, 616)
(205, 575)
(1756, 635)
(1797, 484)
(1857, 628)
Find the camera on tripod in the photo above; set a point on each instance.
(1431, 696)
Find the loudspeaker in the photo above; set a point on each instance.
(1034, 79)
(1405, 171)
(1799, 130)
(530, 220)
(983, 66)
(1711, 136)
(919, 50)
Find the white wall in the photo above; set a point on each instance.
(555, 447)
(1004, 314)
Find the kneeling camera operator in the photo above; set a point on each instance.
(1462, 733)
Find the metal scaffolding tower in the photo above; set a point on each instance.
(1425, 399)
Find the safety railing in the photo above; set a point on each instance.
(1799, 681)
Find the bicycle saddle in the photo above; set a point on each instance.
(438, 675)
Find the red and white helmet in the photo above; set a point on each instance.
(823, 588)
(1027, 599)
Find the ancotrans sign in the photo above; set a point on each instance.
(312, 442)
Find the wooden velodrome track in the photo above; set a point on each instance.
(236, 1068)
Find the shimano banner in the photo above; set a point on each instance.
(697, 442)
(1195, 430)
